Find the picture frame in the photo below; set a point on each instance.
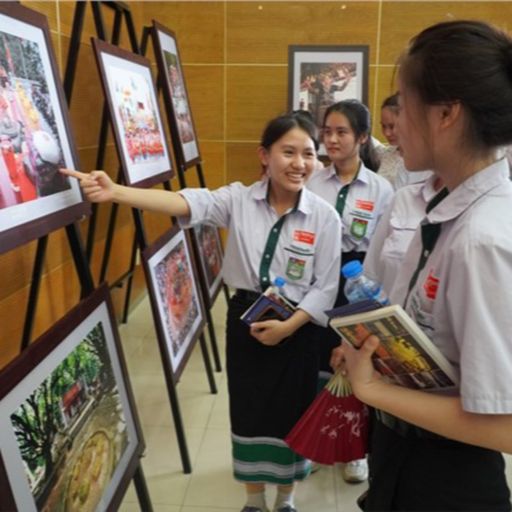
(210, 255)
(135, 116)
(319, 76)
(179, 113)
(35, 133)
(70, 431)
(175, 297)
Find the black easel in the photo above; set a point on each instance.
(74, 48)
(140, 239)
(181, 178)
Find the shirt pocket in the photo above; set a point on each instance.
(360, 225)
(397, 242)
(299, 264)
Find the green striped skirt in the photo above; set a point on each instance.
(269, 390)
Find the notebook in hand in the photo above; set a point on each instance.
(269, 306)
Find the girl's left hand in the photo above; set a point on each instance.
(357, 365)
(270, 332)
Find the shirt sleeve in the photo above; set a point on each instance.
(209, 207)
(480, 310)
(322, 294)
(372, 260)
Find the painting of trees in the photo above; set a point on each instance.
(42, 422)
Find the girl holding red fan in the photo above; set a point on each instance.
(430, 451)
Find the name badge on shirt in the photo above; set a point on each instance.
(295, 268)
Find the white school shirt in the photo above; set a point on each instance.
(367, 198)
(307, 254)
(394, 232)
(463, 297)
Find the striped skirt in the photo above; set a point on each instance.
(269, 390)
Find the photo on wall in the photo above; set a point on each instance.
(135, 115)
(175, 296)
(35, 136)
(210, 256)
(70, 433)
(319, 76)
(175, 95)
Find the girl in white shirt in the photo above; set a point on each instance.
(434, 451)
(277, 228)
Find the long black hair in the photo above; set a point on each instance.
(360, 121)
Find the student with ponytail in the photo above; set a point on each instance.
(433, 451)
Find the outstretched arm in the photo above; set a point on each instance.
(99, 188)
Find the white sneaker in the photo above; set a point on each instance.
(355, 472)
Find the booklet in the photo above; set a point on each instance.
(406, 356)
(270, 305)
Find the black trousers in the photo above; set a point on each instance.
(414, 473)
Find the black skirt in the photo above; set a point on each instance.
(418, 472)
(270, 387)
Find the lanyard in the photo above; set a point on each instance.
(270, 248)
(429, 235)
(342, 196)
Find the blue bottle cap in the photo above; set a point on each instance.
(279, 282)
(352, 269)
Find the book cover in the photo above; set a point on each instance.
(405, 355)
(269, 306)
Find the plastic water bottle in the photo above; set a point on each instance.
(278, 285)
(359, 287)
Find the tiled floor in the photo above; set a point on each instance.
(210, 487)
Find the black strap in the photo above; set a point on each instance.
(270, 248)
(342, 195)
(429, 236)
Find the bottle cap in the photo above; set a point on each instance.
(279, 282)
(352, 269)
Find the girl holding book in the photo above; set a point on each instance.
(277, 228)
(432, 451)
(360, 196)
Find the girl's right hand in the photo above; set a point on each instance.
(96, 185)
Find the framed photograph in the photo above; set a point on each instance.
(175, 297)
(209, 255)
(186, 146)
(35, 133)
(70, 439)
(319, 76)
(135, 115)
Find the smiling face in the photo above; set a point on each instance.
(340, 140)
(289, 161)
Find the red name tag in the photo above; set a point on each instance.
(431, 285)
(304, 236)
(364, 205)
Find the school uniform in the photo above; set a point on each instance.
(394, 232)
(456, 268)
(360, 205)
(270, 387)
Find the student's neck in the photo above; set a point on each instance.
(457, 170)
(281, 200)
(347, 169)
